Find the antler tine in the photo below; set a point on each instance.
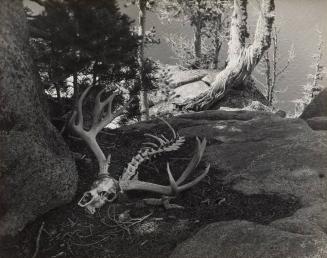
(97, 107)
(98, 124)
(161, 189)
(78, 125)
(195, 160)
(195, 181)
(80, 105)
(108, 116)
(175, 186)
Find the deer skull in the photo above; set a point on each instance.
(103, 190)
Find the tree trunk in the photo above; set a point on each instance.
(215, 61)
(217, 42)
(37, 171)
(267, 71)
(144, 102)
(57, 87)
(76, 86)
(198, 44)
(271, 68)
(94, 73)
(241, 59)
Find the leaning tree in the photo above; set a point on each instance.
(37, 171)
(242, 58)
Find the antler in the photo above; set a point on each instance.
(175, 187)
(102, 116)
(105, 188)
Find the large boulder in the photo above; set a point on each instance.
(317, 122)
(37, 171)
(261, 153)
(265, 152)
(179, 78)
(249, 240)
(299, 236)
(317, 107)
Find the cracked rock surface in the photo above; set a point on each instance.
(262, 153)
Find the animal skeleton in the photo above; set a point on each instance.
(106, 188)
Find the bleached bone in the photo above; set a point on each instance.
(151, 150)
(177, 186)
(106, 188)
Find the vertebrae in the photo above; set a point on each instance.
(151, 150)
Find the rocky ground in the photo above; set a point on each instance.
(265, 195)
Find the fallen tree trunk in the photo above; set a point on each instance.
(241, 59)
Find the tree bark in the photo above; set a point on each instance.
(144, 102)
(37, 171)
(76, 86)
(198, 43)
(241, 59)
(57, 87)
(268, 77)
(217, 42)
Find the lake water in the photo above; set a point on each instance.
(297, 20)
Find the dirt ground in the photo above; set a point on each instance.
(127, 228)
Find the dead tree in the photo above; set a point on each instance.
(312, 87)
(144, 102)
(270, 66)
(242, 59)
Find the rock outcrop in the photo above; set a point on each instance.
(246, 239)
(186, 85)
(316, 112)
(261, 153)
(37, 171)
(317, 107)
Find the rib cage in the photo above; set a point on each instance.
(151, 150)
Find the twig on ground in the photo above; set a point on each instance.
(112, 134)
(108, 147)
(75, 138)
(126, 225)
(37, 242)
(181, 158)
(92, 243)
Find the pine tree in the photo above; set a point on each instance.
(74, 38)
